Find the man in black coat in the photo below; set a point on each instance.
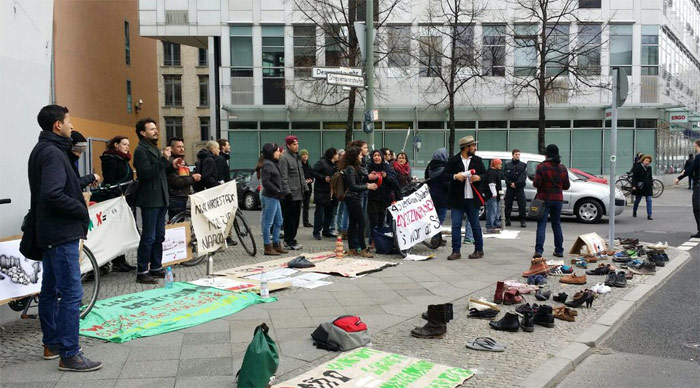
(465, 172)
(206, 166)
(515, 174)
(61, 221)
(322, 172)
(694, 171)
(223, 171)
(152, 167)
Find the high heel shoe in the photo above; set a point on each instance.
(589, 299)
(580, 298)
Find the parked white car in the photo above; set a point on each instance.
(588, 201)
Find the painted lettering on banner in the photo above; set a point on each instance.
(213, 211)
(415, 217)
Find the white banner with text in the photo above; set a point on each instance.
(212, 213)
(415, 217)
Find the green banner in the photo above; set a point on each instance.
(162, 310)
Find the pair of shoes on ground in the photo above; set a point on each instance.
(538, 266)
(537, 280)
(645, 268)
(565, 314)
(292, 246)
(76, 363)
(573, 279)
(561, 270)
(602, 269)
(600, 288)
(507, 295)
(151, 277)
(457, 255)
(510, 322)
(359, 253)
(438, 315)
(585, 296)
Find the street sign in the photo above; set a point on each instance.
(361, 34)
(368, 123)
(622, 86)
(322, 72)
(345, 80)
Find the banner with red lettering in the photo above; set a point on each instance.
(213, 211)
(415, 217)
(112, 231)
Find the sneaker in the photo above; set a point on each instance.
(469, 241)
(52, 352)
(78, 363)
(296, 246)
(317, 237)
(145, 278)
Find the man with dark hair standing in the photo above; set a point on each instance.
(223, 171)
(61, 221)
(152, 167)
(293, 188)
(515, 175)
(694, 171)
(465, 172)
(180, 181)
(551, 179)
(686, 167)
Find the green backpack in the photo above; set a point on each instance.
(260, 361)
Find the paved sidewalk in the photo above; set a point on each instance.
(390, 302)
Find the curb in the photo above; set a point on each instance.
(551, 372)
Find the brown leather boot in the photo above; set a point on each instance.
(437, 323)
(538, 266)
(269, 251)
(498, 296)
(279, 248)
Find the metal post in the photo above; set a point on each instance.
(369, 66)
(613, 162)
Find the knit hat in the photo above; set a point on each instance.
(303, 152)
(496, 161)
(552, 151)
(79, 141)
(290, 139)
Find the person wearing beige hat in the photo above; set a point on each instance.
(466, 172)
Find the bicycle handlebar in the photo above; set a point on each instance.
(5, 200)
(109, 187)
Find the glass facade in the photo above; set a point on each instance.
(621, 46)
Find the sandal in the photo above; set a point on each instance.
(486, 344)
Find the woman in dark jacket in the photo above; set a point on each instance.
(642, 184)
(438, 187)
(116, 169)
(351, 165)
(388, 190)
(402, 168)
(322, 172)
(271, 193)
(304, 156)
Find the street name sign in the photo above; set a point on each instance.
(322, 72)
(346, 80)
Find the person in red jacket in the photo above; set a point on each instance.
(551, 178)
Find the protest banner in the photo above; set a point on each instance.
(162, 310)
(111, 232)
(177, 247)
(415, 218)
(212, 212)
(19, 276)
(366, 367)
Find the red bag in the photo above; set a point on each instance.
(350, 323)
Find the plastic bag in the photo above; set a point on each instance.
(260, 361)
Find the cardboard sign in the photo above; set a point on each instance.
(415, 217)
(177, 247)
(366, 367)
(212, 212)
(267, 266)
(19, 276)
(592, 242)
(112, 230)
(349, 268)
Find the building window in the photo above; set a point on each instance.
(242, 92)
(589, 3)
(430, 56)
(304, 50)
(273, 65)
(202, 58)
(525, 51)
(589, 49)
(621, 46)
(171, 54)
(332, 47)
(129, 101)
(399, 39)
(173, 127)
(203, 90)
(204, 128)
(127, 43)
(494, 55)
(173, 90)
(650, 50)
(557, 56)
(464, 46)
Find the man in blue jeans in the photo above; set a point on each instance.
(465, 172)
(60, 221)
(551, 178)
(152, 167)
(492, 196)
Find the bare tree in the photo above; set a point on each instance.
(447, 53)
(552, 57)
(334, 24)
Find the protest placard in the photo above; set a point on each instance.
(111, 232)
(212, 212)
(415, 218)
(177, 247)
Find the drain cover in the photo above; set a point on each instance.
(692, 345)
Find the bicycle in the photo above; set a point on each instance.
(240, 227)
(91, 285)
(624, 183)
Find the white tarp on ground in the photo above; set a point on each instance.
(212, 212)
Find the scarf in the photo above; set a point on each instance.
(404, 169)
(125, 156)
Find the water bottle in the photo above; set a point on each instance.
(169, 278)
(264, 291)
(210, 265)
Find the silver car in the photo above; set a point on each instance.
(588, 201)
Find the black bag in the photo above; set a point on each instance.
(383, 238)
(300, 262)
(536, 209)
(28, 246)
(130, 192)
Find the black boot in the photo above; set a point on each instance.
(527, 323)
(449, 312)
(509, 322)
(437, 323)
(119, 264)
(543, 316)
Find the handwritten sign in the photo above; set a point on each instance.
(212, 213)
(415, 217)
(366, 367)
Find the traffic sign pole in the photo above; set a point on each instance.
(369, 71)
(613, 160)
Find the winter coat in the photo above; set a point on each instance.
(179, 186)
(514, 172)
(455, 196)
(492, 176)
(438, 186)
(322, 189)
(293, 180)
(642, 181)
(152, 169)
(307, 175)
(206, 166)
(56, 199)
(551, 179)
(115, 170)
(223, 172)
(85, 180)
(389, 191)
(271, 179)
(353, 183)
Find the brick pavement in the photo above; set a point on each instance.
(390, 302)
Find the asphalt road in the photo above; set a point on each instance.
(659, 345)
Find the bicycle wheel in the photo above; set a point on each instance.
(657, 188)
(245, 235)
(181, 217)
(91, 283)
(624, 185)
